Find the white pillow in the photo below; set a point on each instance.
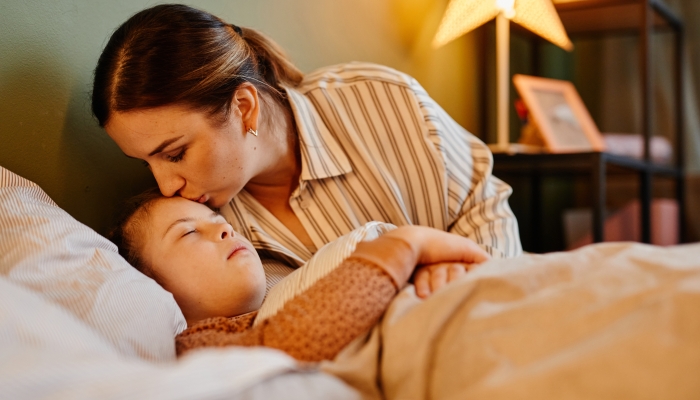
(321, 264)
(45, 250)
(47, 353)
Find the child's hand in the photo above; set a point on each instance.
(429, 278)
(401, 250)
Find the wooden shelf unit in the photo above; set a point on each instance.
(599, 19)
(614, 16)
(640, 18)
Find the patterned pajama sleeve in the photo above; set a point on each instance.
(313, 326)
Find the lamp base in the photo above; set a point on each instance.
(515, 148)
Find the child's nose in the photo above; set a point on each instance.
(226, 231)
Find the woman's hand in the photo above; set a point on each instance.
(443, 258)
(399, 251)
(429, 278)
(435, 246)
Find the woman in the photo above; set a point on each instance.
(223, 118)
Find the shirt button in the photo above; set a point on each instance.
(304, 202)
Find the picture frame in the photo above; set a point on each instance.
(557, 113)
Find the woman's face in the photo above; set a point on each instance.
(190, 154)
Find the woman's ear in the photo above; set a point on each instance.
(247, 102)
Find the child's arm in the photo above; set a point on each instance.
(317, 324)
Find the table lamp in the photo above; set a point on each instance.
(538, 16)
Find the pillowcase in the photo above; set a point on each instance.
(47, 353)
(45, 250)
(326, 259)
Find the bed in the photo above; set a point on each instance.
(614, 320)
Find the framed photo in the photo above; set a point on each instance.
(559, 115)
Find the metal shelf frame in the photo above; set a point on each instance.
(601, 18)
(595, 165)
(643, 18)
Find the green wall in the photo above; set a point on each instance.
(49, 48)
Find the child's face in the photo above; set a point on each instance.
(211, 270)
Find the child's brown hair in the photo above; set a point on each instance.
(130, 223)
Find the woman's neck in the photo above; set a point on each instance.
(273, 187)
(279, 177)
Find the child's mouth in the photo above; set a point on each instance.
(235, 251)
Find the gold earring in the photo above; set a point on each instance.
(254, 132)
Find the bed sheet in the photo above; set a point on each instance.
(612, 320)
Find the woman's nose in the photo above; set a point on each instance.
(169, 183)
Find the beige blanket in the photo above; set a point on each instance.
(616, 320)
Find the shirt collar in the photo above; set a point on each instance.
(321, 154)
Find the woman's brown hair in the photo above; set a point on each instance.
(175, 54)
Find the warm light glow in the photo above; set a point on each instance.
(463, 16)
(538, 16)
(506, 7)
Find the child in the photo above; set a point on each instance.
(214, 273)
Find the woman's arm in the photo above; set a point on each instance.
(478, 201)
(317, 324)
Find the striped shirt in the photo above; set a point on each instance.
(375, 147)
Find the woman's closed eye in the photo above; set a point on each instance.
(177, 156)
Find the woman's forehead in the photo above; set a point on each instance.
(140, 133)
(153, 121)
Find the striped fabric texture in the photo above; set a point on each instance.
(275, 272)
(46, 251)
(326, 259)
(375, 147)
(47, 353)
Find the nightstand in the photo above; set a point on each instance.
(595, 168)
(592, 19)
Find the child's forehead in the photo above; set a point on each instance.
(177, 207)
(166, 210)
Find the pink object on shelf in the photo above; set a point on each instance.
(632, 145)
(625, 225)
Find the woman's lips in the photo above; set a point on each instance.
(203, 199)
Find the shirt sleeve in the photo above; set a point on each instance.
(477, 201)
(314, 325)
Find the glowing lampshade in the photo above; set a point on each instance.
(538, 16)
